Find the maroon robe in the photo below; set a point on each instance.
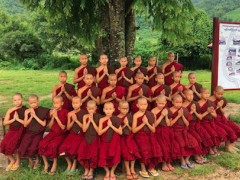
(188, 144)
(88, 150)
(150, 150)
(198, 131)
(104, 82)
(142, 70)
(110, 149)
(158, 91)
(217, 134)
(72, 141)
(147, 92)
(198, 88)
(175, 89)
(129, 147)
(96, 92)
(12, 139)
(231, 128)
(120, 92)
(67, 104)
(169, 79)
(165, 138)
(90, 70)
(49, 145)
(34, 134)
(152, 82)
(128, 73)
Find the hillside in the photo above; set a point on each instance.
(232, 15)
(220, 8)
(12, 6)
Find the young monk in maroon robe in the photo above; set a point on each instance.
(110, 150)
(164, 133)
(170, 67)
(208, 112)
(180, 122)
(103, 72)
(35, 123)
(64, 89)
(49, 145)
(138, 90)
(232, 129)
(138, 68)
(10, 143)
(129, 147)
(195, 127)
(194, 86)
(153, 70)
(124, 74)
(144, 129)
(176, 86)
(88, 150)
(113, 93)
(89, 92)
(70, 144)
(82, 70)
(160, 88)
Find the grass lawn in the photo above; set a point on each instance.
(41, 83)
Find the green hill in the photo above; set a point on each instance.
(232, 15)
(219, 8)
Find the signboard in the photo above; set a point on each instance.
(226, 55)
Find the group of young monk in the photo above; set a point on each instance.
(127, 114)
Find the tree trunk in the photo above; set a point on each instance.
(119, 31)
(130, 35)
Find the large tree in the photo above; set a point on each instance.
(111, 25)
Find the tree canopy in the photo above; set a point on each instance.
(110, 26)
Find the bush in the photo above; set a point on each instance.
(204, 62)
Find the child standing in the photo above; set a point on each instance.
(164, 133)
(161, 88)
(129, 147)
(170, 67)
(81, 71)
(138, 68)
(103, 72)
(180, 122)
(153, 70)
(113, 93)
(35, 122)
(138, 90)
(110, 151)
(144, 129)
(194, 86)
(64, 89)
(10, 143)
(89, 92)
(49, 145)
(70, 144)
(88, 150)
(124, 74)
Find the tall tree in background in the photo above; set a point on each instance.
(110, 24)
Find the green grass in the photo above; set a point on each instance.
(41, 83)
(27, 82)
(198, 171)
(228, 160)
(26, 173)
